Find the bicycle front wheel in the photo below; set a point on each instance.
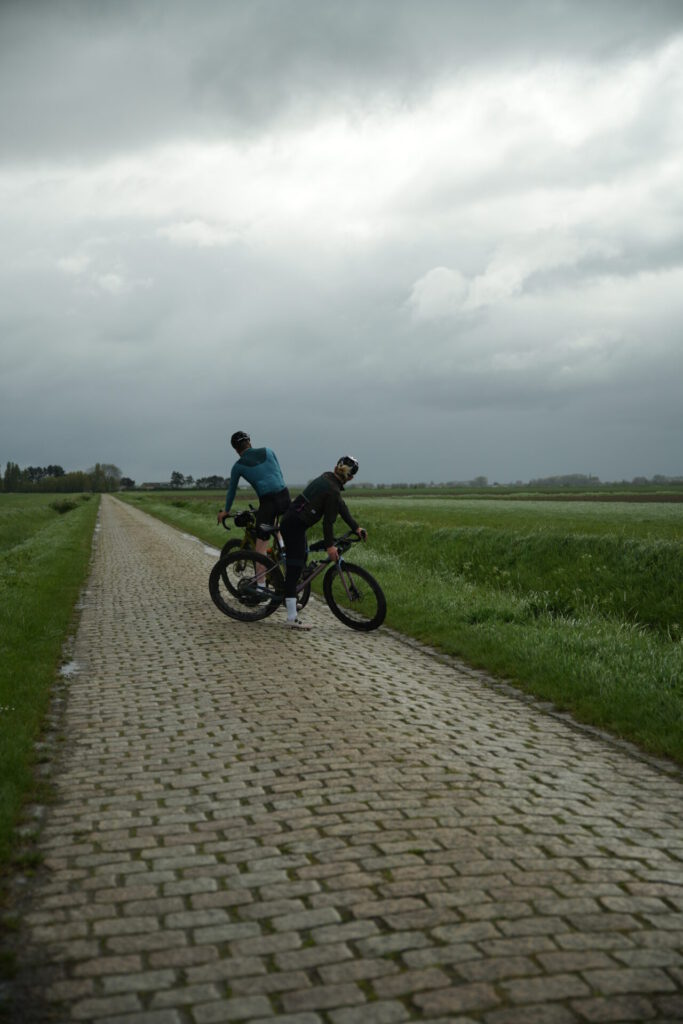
(246, 586)
(354, 596)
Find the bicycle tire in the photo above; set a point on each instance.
(232, 586)
(230, 546)
(302, 597)
(364, 607)
(227, 549)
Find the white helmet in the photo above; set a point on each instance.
(346, 467)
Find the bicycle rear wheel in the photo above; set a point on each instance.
(240, 587)
(302, 597)
(230, 546)
(354, 596)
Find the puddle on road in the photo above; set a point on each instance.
(214, 552)
(70, 669)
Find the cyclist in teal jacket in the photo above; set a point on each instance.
(260, 467)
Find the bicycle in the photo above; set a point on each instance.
(248, 586)
(246, 519)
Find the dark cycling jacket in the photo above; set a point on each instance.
(322, 499)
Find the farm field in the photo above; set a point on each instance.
(45, 544)
(576, 602)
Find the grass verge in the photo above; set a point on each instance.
(41, 575)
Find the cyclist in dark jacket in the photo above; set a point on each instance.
(260, 467)
(321, 499)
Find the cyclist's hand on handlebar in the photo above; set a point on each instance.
(362, 533)
(221, 516)
(333, 553)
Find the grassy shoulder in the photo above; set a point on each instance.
(577, 604)
(44, 560)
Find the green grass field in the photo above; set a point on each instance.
(44, 558)
(577, 602)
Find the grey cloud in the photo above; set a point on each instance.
(89, 78)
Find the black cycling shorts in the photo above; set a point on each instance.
(270, 507)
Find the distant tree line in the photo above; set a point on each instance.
(101, 477)
(582, 480)
(586, 480)
(107, 477)
(204, 482)
(566, 480)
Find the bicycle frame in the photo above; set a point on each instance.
(274, 552)
(342, 545)
(277, 551)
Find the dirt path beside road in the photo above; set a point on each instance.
(330, 828)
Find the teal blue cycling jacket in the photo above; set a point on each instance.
(260, 468)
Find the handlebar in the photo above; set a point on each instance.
(235, 515)
(342, 543)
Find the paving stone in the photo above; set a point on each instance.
(323, 997)
(138, 981)
(291, 1018)
(104, 965)
(545, 1013)
(69, 990)
(146, 1017)
(494, 969)
(225, 970)
(545, 989)
(377, 1012)
(95, 1009)
(477, 996)
(242, 1008)
(363, 969)
(185, 995)
(615, 1008)
(630, 979)
(670, 1006)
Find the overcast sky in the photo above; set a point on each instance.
(443, 236)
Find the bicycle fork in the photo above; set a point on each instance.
(350, 588)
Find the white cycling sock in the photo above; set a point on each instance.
(290, 604)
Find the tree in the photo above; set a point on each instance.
(126, 483)
(12, 477)
(98, 481)
(177, 479)
(112, 473)
(104, 477)
(211, 482)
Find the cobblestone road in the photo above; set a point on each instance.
(329, 827)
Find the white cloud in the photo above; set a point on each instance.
(112, 283)
(199, 233)
(76, 264)
(444, 292)
(440, 293)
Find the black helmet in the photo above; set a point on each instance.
(238, 439)
(346, 467)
